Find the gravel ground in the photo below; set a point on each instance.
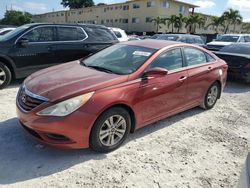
(193, 149)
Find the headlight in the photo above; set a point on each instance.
(66, 107)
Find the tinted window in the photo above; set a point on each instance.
(169, 60)
(41, 34)
(228, 38)
(247, 38)
(168, 37)
(182, 39)
(194, 56)
(100, 34)
(70, 33)
(199, 41)
(190, 40)
(118, 34)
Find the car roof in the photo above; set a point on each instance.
(186, 35)
(151, 43)
(64, 24)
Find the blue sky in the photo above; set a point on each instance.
(212, 7)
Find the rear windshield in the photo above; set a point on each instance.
(227, 38)
(237, 48)
(168, 37)
(100, 34)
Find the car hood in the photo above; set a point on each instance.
(63, 81)
(219, 43)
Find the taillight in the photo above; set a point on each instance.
(248, 65)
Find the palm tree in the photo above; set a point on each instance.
(193, 21)
(232, 17)
(173, 21)
(246, 27)
(217, 22)
(158, 21)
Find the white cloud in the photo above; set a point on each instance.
(30, 7)
(241, 5)
(205, 4)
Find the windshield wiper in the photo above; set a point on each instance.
(100, 68)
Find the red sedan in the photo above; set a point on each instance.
(99, 100)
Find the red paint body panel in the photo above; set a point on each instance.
(150, 99)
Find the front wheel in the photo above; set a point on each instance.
(110, 130)
(211, 96)
(5, 75)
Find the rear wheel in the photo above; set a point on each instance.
(211, 96)
(5, 75)
(110, 130)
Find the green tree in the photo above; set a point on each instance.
(193, 21)
(13, 17)
(232, 17)
(180, 21)
(246, 27)
(158, 21)
(217, 22)
(73, 4)
(172, 21)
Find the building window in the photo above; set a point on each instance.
(107, 21)
(165, 4)
(136, 6)
(148, 19)
(111, 8)
(125, 7)
(104, 9)
(62, 14)
(102, 21)
(116, 20)
(151, 4)
(125, 21)
(135, 20)
(182, 9)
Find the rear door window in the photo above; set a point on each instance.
(194, 56)
(41, 34)
(70, 34)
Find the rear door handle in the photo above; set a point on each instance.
(182, 78)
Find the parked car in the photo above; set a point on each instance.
(237, 56)
(6, 30)
(99, 100)
(191, 39)
(133, 37)
(245, 174)
(120, 34)
(35, 46)
(227, 39)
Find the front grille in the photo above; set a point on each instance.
(27, 101)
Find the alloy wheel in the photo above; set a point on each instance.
(112, 130)
(212, 95)
(2, 76)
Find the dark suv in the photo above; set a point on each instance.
(35, 46)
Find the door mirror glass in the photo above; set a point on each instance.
(23, 42)
(156, 72)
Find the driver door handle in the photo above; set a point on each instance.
(182, 78)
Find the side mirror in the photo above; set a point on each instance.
(155, 72)
(23, 42)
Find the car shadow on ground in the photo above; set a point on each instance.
(236, 87)
(23, 158)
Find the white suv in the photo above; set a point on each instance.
(227, 39)
(120, 34)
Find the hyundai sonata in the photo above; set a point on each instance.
(99, 100)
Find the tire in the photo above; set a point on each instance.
(5, 75)
(211, 96)
(103, 130)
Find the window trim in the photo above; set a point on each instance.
(55, 26)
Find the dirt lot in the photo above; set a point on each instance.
(193, 149)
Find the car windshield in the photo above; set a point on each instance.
(168, 37)
(237, 48)
(13, 33)
(227, 38)
(119, 59)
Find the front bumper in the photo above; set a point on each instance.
(71, 131)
